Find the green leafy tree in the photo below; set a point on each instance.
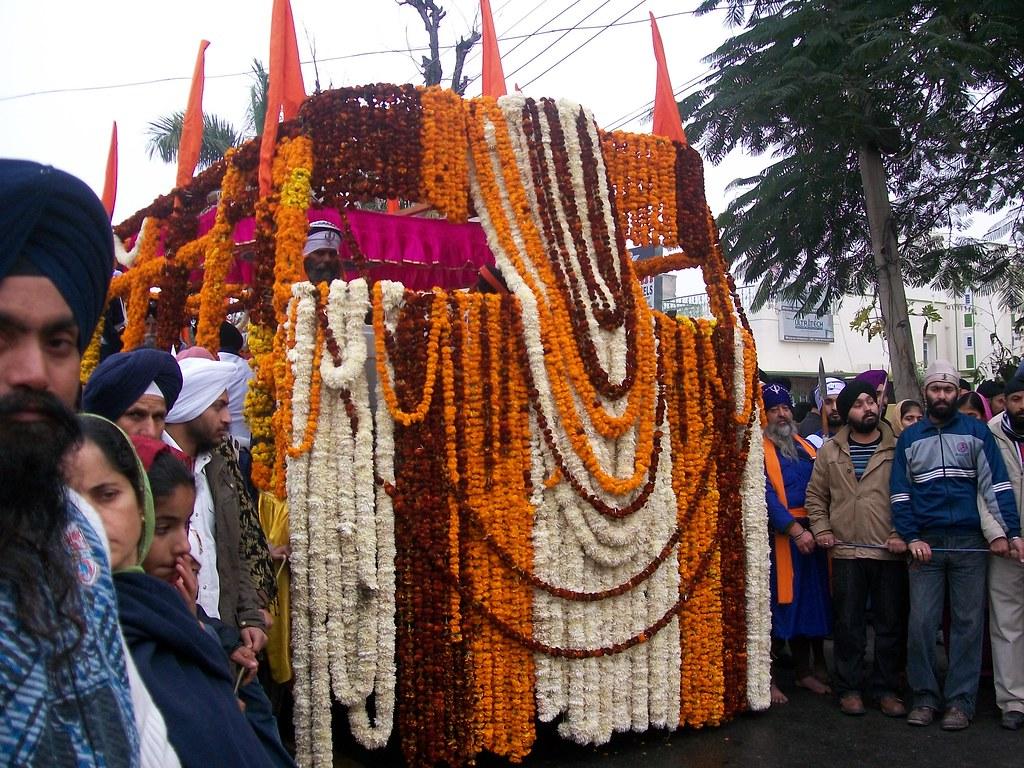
(878, 117)
(219, 135)
(256, 113)
(165, 135)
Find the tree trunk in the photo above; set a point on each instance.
(892, 299)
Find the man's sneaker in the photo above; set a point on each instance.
(892, 706)
(921, 716)
(955, 719)
(1012, 720)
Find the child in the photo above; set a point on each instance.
(184, 668)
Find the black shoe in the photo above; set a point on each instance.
(1012, 720)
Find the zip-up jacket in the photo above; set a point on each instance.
(853, 510)
(940, 472)
(1011, 457)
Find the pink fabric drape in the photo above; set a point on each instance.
(420, 253)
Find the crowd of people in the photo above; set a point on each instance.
(137, 587)
(908, 519)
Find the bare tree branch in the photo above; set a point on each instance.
(431, 14)
(462, 49)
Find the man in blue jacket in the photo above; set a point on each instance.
(944, 466)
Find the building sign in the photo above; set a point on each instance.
(647, 284)
(795, 325)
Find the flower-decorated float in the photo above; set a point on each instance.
(550, 507)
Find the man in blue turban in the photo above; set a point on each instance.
(801, 608)
(63, 674)
(135, 390)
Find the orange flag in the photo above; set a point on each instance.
(493, 74)
(666, 114)
(110, 182)
(285, 91)
(192, 126)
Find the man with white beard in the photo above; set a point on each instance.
(801, 610)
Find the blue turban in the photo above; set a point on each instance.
(54, 225)
(123, 378)
(775, 394)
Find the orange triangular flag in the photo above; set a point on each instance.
(192, 126)
(666, 114)
(110, 181)
(494, 76)
(285, 91)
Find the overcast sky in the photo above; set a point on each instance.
(81, 52)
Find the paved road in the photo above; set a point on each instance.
(809, 731)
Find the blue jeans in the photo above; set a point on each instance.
(964, 574)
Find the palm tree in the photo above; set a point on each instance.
(218, 137)
(256, 113)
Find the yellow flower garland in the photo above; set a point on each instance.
(219, 259)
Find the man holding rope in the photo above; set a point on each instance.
(1005, 575)
(944, 465)
(848, 506)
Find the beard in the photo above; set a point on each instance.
(1016, 421)
(835, 421)
(939, 409)
(34, 511)
(865, 426)
(781, 434)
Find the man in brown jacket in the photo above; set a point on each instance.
(848, 507)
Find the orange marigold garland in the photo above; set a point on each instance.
(219, 259)
(291, 175)
(443, 168)
(641, 171)
(136, 283)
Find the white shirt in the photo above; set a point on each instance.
(201, 535)
(236, 396)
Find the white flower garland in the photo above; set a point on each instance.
(758, 588)
(125, 257)
(375, 734)
(298, 498)
(343, 536)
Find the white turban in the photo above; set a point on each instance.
(202, 382)
(832, 388)
(322, 234)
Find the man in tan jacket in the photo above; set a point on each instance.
(848, 507)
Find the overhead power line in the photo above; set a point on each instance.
(585, 42)
(565, 32)
(638, 112)
(341, 57)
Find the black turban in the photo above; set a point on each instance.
(230, 338)
(849, 395)
(55, 225)
(122, 379)
(991, 388)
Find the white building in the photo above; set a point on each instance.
(970, 332)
